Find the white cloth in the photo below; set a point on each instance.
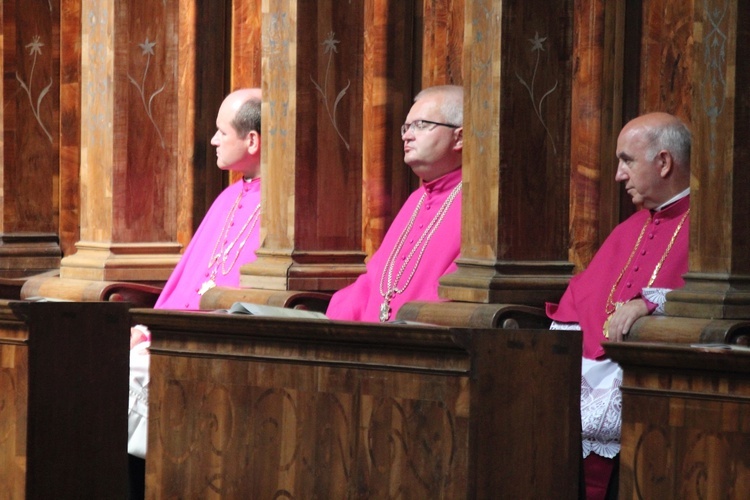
(138, 400)
(601, 407)
(601, 403)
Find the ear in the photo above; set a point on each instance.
(458, 135)
(666, 163)
(253, 142)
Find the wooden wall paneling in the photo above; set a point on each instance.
(245, 55)
(442, 43)
(313, 60)
(203, 83)
(63, 389)
(246, 42)
(517, 76)
(716, 285)
(30, 201)
(666, 57)
(596, 98)
(251, 407)
(389, 73)
(130, 54)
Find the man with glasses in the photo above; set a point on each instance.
(424, 240)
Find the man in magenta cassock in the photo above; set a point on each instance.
(424, 240)
(628, 278)
(226, 239)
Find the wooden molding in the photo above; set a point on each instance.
(25, 254)
(531, 282)
(149, 262)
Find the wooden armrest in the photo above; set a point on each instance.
(690, 330)
(471, 315)
(10, 288)
(140, 295)
(223, 298)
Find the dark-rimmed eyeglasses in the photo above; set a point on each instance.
(423, 125)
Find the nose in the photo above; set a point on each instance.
(215, 139)
(621, 173)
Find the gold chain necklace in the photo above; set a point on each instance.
(388, 286)
(611, 306)
(219, 255)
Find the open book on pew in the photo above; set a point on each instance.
(252, 309)
(271, 311)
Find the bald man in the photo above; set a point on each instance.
(643, 258)
(226, 239)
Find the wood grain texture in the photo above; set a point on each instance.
(30, 173)
(390, 37)
(667, 58)
(310, 408)
(58, 440)
(717, 285)
(686, 417)
(441, 32)
(516, 174)
(70, 125)
(313, 68)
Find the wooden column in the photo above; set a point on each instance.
(31, 140)
(718, 282)
(129, 142)
(517, 79)
(313, 58)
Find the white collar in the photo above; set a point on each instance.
(673, 199)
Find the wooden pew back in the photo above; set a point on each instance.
(63, 394)
(251, 407)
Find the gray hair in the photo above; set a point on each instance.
(674, 137)
(247, 118)
(452, 104)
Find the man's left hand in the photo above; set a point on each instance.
(624, 317)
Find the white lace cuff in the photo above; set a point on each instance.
(556, 325)
(656, 296)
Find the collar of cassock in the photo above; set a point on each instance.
(672, 200)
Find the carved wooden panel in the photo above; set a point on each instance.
(326, 430)
(252, 407)
(30, 148)
(686, 422)
(516, 153)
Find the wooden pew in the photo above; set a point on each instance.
(251, 407)
(63, 394)
(686, 421)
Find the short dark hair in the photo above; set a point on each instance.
(247, 118)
